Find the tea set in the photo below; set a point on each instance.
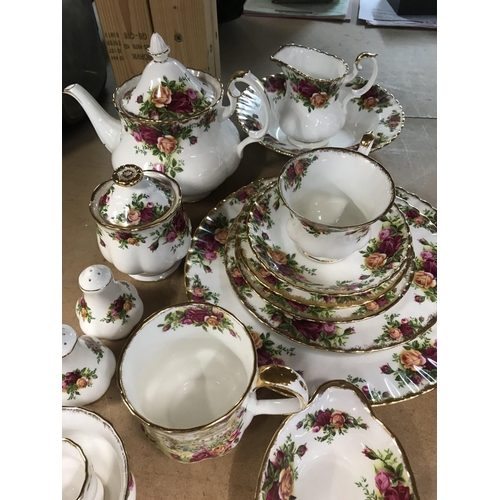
(319, 284)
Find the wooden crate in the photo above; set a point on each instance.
(189, 27)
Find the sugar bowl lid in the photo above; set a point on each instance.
(134, 199)
(167, 89)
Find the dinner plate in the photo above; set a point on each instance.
(335, 448)
(386, 376)
(239, 273)
(360, 272)
(377, 110)
(104, 449)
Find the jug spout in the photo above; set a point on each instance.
(108, 128)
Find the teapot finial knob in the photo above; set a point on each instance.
(158, 49)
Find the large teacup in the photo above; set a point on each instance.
(334, 195)
(189, 374)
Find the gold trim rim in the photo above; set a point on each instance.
(86, 464)
(164, 179)
(211, 424)
(126, 460)
(338, 383)
(295, 70)
(138, 119)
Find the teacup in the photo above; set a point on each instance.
(189, 374)
(79, 481)
(334, 195)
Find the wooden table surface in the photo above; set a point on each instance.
(407, 68)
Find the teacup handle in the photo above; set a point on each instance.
(283, 380)
(233, 93)
(366, 143)
(359, 92)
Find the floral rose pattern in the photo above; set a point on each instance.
(205, 316)
(78, 379)
(296, 171)
(328, 423)
(385, 252)
(83, 310)
(119, 309)
(172, 99)
(218, 442)
(326, 334)
(425, 279)
(374, 99)
(276, 85)
(201, 293)
(311, 93)
(416, 363)
(95, 346)
(374, 395)
(268, 353)
(391, 478)
(211, 243)
(127, 238)
(281, 472)
(396, 330)
(139, 211)
(416, 219)
(173, 232)
(167, 140)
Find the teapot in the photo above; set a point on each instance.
(314, 107)
(172, 120)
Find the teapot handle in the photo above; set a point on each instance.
(359, 92)
(233, 93)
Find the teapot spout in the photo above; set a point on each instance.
(108, 128)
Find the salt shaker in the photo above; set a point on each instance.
(108, 309)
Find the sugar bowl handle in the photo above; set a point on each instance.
(233, 93)
(285, 381)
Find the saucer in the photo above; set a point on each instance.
(361, 271)
(238, 272)
(403, 321)
(335, 448)
(377, 110)
(385, 377)
(104, 449)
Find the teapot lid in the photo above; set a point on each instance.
(133, 198)
(166, 88)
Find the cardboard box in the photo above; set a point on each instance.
(414, 7)
(189, 27)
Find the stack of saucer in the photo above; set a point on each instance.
(334, 306)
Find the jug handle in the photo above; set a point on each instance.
(359, 92)
(233, 93)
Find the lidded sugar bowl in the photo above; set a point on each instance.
(142, 227)
(172, 120)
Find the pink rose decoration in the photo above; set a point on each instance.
(382, 480)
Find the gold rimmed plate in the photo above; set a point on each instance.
(335, 446)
